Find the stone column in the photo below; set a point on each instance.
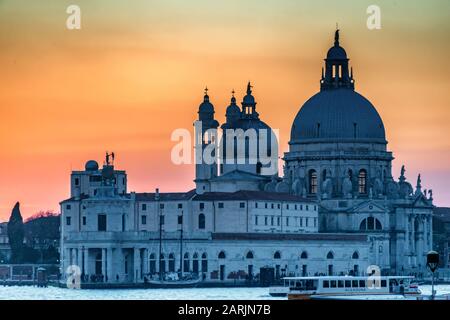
(80, 259)
(430, 230)
(145, 262)
(413, 235)
(137, 265)
(103, 261)
(86, 261)
(109, 264)
(407, 235)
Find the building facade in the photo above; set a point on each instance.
(336, 210)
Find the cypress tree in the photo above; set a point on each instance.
(16, 234)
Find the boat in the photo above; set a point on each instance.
(301, 288)
(171, 280)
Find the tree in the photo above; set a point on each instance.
(16, 234)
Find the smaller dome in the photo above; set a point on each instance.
(91, 165)
(248, 99)
(233, 109)
(337, 53)
(206, 106)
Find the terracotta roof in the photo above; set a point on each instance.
(168, 196)
(249, 195)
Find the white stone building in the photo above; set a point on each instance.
(336, 210)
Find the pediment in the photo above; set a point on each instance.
(368, 206)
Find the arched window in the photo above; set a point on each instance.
(204, 262)
(195, 263)
(304, 255)
(362, 181)
(249, 255)
(152, 261)
(186, 262)
(370, 223)
(171, 262)
(312, 181)
(277, 255)
(222, 255)
(162, 263)
(201, 221)
(355, 255)
(330, 255)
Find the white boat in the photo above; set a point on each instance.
(172, 281)
(346, 286)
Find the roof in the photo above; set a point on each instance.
(239, 175)
(290, 236)
(250, 195)
(168, 196)
(337, 115)
(442, 213)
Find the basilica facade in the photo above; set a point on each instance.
(336, 209)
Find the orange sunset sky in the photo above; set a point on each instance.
(136, 71)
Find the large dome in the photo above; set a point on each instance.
(338, 115)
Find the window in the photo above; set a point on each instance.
(304, 255)
(362, 179)
(171, 262)
(312, 181)
(68, 206)
(301, 207)
(348, 284)
(152, 260)
(144, 219)
(162, 219)
(278, 221)
(180, 219)
(295, 207)
(383, 283)
(258, 168)
(202, 206)
(362, 283)
(180, 206)
(307, 207)
(123, 222)
(220, 205)
(301, 222)
(277, 255)
(77, 181)
(355, 283)
(265, 221)
(144, 207)
(272, 206)
(222, 255)
(68, 220)
(287, 221)
(84, 221)
(326, 283)
(256, 220)
(355, 255)
(287, 206)
(315, 208)
(278, 206)
(306, 222)
(201, 221)
(161, 205)
(249, 255)
(370, 223)
(101, 219)
(186, 262)
(242, 205)
(265, 206)
(256, 204)
(333, 283)
(330, 255)
(315, 222)
(204, 263)
(271, 221)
